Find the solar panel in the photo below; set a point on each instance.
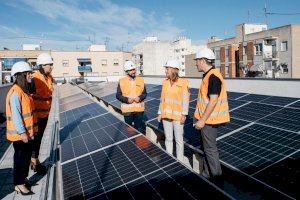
(154, 94)
(256, 147)
(254, 97)
(80, 138)
(109, 98)
(295, 105)
(283, 175)
(194, 91)
(235, 95)
(235, 103)
(154, 103)
(280, 101)
(286, 118)
(81, 113)
(253, 111)
(72, 98)
(234, 124)
(133, 169)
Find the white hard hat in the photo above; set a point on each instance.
(205, 53)
(20, 67)
(129, 65)
(44, 59)
(172, 64)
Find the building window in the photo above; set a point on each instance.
(65, 63)
(116, 62)
(258, 49)
(65, 74)
(226, 71)
(182, 63)
(7, 63)
(245, 50)
(104, 74)
(217, 52)
(182, 49)
(116, 74)
(104, 62)
(226, 53)
(284, 46)
(182, 56)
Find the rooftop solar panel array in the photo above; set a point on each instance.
(256, 121)
(103, 158)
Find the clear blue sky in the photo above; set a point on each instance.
(67, 24)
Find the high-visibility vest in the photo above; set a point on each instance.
(27, 112)
(220, 113)
(132, 89)
(171, 103)
(43, 94)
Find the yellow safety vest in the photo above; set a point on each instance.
(132, 89)
(220, 113)
(172, 99)
(27, 111)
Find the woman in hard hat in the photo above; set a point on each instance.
(131, 92)
(42, 97)
(20, 124)
(174, 106)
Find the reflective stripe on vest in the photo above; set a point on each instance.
(132, 89)
(9, 118)
(220, 114)
(28, 128)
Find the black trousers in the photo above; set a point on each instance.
(21, 161)
(42, 123)
(135, 119)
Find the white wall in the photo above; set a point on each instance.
(285, 88)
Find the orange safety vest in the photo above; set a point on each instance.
(43, 94)
(27, 112)
(172, 99)
(220, 113)
(132, 89)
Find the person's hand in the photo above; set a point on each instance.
(182, 120)
(159, 118)
(130, 100)
(137, 99)
(200, 124)
(24, 137)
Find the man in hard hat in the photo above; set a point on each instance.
(211, 110)
(131, 92)
(42, 96)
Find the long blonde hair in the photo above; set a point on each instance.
(175, 74)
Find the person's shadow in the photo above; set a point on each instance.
(6, 180)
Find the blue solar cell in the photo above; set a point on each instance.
(280, 101)
(254, 97)
(286, 118)
(253, 111)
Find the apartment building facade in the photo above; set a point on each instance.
(68, 63)
(258, 51)
(151, 54)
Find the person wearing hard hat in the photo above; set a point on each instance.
(174, 107)
(131, 92)
(21, 125)
(42, 96)
(211, 110)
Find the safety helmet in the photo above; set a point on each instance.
(129, 65)
(205, 53)
(20, 67)
(44, 59)
(173, 64)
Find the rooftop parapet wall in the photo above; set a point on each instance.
(273, 87)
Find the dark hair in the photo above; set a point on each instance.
(21, 81)
(209, 62)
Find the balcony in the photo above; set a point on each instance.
(270, 55)
(84, 69)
